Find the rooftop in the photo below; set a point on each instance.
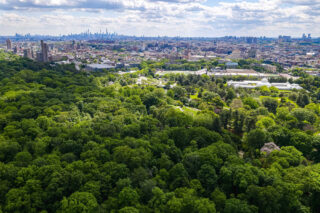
(263, 82)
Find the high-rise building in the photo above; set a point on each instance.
(251, 40)
(284, 38)
(33, 55)
(9, 44)
(236, 54)
(73, 45)
(44, 52)
(27, 53)
(39, 56)
(252, 53)
(304, 36)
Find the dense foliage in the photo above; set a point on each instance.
(86, 142)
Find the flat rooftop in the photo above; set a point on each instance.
(243, 71)
(100, 66)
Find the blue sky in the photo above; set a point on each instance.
(162, 17)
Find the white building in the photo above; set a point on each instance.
(263, 82)
(96, 67)
(242, 72)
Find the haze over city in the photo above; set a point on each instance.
(186, 18)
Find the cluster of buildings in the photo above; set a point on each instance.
(30, 51)
(104, 51)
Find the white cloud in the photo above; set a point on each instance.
(161, 17)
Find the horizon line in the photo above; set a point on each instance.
(88, 32)
(143, 36)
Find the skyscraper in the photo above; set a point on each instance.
(9, 44)
(304, 36)
(27, 53)
(73, 45)
(44, 52)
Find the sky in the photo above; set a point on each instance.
(185, 18)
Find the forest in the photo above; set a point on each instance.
(73, 141)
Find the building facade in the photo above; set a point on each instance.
(263, 82)
(44, 52)
(9, 44)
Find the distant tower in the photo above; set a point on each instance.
(27, 53)
(304, 36)
(44, 52)
(33, 55)
(188, 54)
(252, 53)
(15, 50)
(9, 44)
(73, 44)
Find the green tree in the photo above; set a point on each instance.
(79, 202)
(219, 198)
(208, 177)
(303, 100)
(128, 197)
(234, 205)
(251, 102)
(128, 210)
(271, 104)
(256, 138)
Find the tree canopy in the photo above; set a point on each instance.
(72, 141)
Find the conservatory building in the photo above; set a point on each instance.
(263, 82)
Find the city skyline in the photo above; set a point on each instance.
(117, 35)
(185, 18)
